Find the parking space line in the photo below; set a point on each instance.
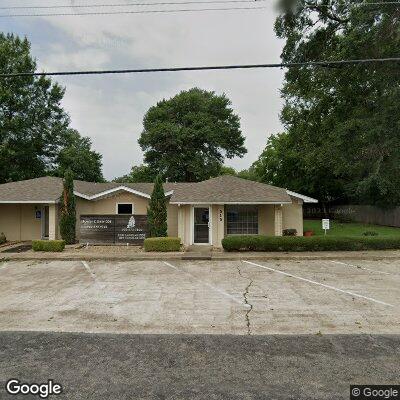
(88, 269)
(216, 289)
(359, 267)
(319, 284)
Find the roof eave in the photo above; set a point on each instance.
(117, 189)
(230, 202)
(306, 199)
(29, 201)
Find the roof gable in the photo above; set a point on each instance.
(229, 189)
(224, 189)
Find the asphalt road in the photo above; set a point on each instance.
(110, 366)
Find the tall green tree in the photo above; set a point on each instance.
(68, 209)
(187, 137)
(32, 121)
(342, 123)
(157, 210)
(139, 173)
(78, 156)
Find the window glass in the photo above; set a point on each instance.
(242, 220)
(125, 208)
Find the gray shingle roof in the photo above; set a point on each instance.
(45, 189)
(223, 189)
(229, 189)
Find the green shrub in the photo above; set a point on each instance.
(48, 245)
(3, 238)
(314, 243)
(370, 233)
(162, 244)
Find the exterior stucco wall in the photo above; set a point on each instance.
(293, 216)
(109, 206)
(187, 212)
(18, 221)
(172, 220)
(266, 220)
(184, 224)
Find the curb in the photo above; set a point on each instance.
(214, 257)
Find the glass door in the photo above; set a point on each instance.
(201, 225)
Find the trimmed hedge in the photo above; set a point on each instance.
(314, 243)
(162, 244)
(48, 245)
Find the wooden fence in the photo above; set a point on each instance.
(365, 214)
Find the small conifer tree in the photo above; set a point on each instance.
(157, 211)
(68, 211)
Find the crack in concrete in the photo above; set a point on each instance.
(246, 301)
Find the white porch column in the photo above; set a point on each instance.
(53, 221)
(181, 223)
(220, 225)
(278, 221)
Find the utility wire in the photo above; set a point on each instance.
(182, 2)
(131, 12)
(327, 64)
(193, 10)
(129, 4)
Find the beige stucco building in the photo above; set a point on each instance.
(198, 213)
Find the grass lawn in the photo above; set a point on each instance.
(349, 228)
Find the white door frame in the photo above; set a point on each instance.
(209, 224)
(43, 221)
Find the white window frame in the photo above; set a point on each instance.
(209, 224)
(117, 204)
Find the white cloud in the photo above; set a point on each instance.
(110, 109)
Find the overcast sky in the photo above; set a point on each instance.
(110, 109)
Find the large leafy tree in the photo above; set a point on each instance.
(78, 156)
(32, 120)
(35, 138)
(139, 173)
(342, 123)
(187, 137)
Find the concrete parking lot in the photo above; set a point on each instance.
(202, 297)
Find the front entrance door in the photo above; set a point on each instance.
(201, 225)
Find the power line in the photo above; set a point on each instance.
(127, 5)
(131, 12)
(209, 68)
(157, 11)
(182, 2)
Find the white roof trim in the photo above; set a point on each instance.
(229, 202)
(113, 190)
(306, 199)
(29, 202)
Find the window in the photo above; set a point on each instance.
(242, 220)
(124, 208)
